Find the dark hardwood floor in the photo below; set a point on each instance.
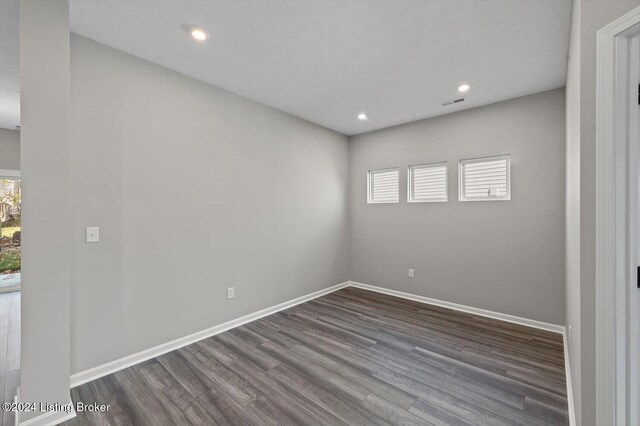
(350, 357)
(9, 350)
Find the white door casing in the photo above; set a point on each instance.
(617, 222)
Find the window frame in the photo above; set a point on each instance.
(462, 183)
(370, 174)
(410, 176)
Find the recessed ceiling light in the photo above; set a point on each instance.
(199, 34)
(362, 116)
(463, 87)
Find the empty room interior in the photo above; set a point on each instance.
(328, 212)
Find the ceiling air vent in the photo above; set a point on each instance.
(455, 101)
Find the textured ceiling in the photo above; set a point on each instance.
(9, 65)
(328, 60)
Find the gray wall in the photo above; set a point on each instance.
(594, 14)
(45, 301)
(9, 149)
(506, 256)
(194, 189)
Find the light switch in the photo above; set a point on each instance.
(93, 234)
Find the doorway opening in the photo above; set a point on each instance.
(10, 285)
(10, 234)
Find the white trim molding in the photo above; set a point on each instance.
(7, 173)
(555, 328)
(50, 418)
(567, 373)
(122, 363)
(127, 361)
(614, 91)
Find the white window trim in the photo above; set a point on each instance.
(461, 185)
(9, 174)
(370, 187)
(427, 166)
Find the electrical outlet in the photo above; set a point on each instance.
(411, 273)
(92, 234)
(231, 292)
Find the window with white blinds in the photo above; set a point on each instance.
(383, 186)
(427, 183)
(484, 179)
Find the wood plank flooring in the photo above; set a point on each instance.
(9, 350)
(350, 357)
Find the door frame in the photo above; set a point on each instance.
(617, 151)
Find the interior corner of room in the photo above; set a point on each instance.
(320, 212)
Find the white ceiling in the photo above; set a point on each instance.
(328, 60)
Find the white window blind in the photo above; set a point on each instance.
(485, 178)
(383, 186)
(428, 183)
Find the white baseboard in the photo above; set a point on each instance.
(50, 418)
(119, 364)
(567, 372)
(555, 328)
(495, 315)
(122, 363)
